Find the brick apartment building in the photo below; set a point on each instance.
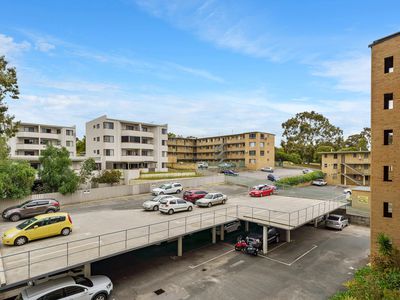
(385, 127)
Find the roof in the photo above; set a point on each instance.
(362, 188)
(343, 152)
(125, 121)
(388, 37)
(218, 136)
(48, 286)
(45, 125)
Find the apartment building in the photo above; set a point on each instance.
(347, 167)
(31, 139)
(128, 145)
(253, 150)
(385, 128)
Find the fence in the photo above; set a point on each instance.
(24, 265)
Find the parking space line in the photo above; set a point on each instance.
(194, 267)
(275, 260)
(304, 254)
(277, 247)
(291, 263)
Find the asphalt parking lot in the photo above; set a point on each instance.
(313, 266)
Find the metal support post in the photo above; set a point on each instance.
(222, 232)
(265, 240)
(214, 234)
(180, 246)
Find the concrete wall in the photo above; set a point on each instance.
(115, 191)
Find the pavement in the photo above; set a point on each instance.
(313, 266)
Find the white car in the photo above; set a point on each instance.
(202, 165)
(319, 182)
(306, 171)
(267, 169)
(79, 288)
(336, 222)
(170, 206)
(229, 227)
(154, 204)
(211, 199)
(347, 192)
(168, 188)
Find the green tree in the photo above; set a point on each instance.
(16, 179)
(56, 172)
(171, 135)
(81, 146)
(360, 141)
(110, 177)
(4, 149)
(88, 166)
(306, 131)
(321, 148)
(8, 88)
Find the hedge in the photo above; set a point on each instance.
(295, 180)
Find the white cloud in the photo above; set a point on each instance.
(9, 47)
(44, 46)
(197, 72)
(351, 73)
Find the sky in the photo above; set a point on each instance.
(203, 67)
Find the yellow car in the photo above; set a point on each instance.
(39, 227)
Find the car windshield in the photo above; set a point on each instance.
(209, 196)
(333, 218)
(164, 186)
(83, 281)
(164, 201)
(26, 223)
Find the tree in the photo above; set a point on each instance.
(171, 135)
(16, 179)
(360, 141)
(110, 177)
(4, 149)
(8, 87)
(306, 131)
(56, 172)
(88, 166)
(321, 148)
(81, 146)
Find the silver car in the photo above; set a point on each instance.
(79, 288)
(170, 206)
(211, 199)
(154, 204)
(336, 222)
(168, 188)
(229, 227)
(319, 182)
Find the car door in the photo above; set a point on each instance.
(219, 198)
(76, 292)
(169, 189)
(41, 206)
(29, 209)
(173, 204)
(182, 205)
(54, 295)
(55, 225)
(37, 230)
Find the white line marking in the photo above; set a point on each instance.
(288, 264)
(193, 267)
(237, 263)
(304, 254)
(275, 260)
(277, 247)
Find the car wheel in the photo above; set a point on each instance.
(100, 296)
(171, 211)
(223, 201)
(178, 191)
(20, 241)
(155, 208)
(50, 211)
(190, 208)
(209, 204)
(66, 231)
(15, 217)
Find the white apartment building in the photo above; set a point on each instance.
(128, 145)
(31, 139)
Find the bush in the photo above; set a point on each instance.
(295, 180)
(16, 179)
(109, 176)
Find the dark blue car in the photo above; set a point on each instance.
(272, 177)
(231, 173)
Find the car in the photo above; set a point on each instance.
(267, 169)
(318, 219)
(273, 177)
(336, 222)
(154, 203)
(230, 173)
(306, 171)
(229, 227)
(97, 287)
(193, 195)
(260, 186)
(202, 165)
(319, 182)
(171, 206)
(212, 199)
(261, 192)
(257, 239)
(38, 227)
(31, 208)
(226, 165)
(168, 188)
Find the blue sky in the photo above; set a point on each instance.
(203, 67)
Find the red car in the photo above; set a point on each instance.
(193, 195)
(262, 191)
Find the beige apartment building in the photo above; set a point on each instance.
(128, 145)
(346, 167)
(252, 150)
(385, 128)
(31, 139)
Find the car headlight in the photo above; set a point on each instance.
(109, 285)
(9, 236)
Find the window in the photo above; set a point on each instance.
(325, 155)
(94, 126)
(73, 290)
(54, 295)
(98, 152)
(94, 151)
(262, 136)
(366, 167)
(388, 101)
(387, 173)
(252, 161)
(94, 139)
(98, 126)
(389, 64)
(108, 152)
(262, 153)
(46, 130)
(69, 132)
(58, 131)
(98, 139)
(335, 166)
(164, 130)
(366, 155)
(163, 165)
(334, 156)
(325, 165)
(145, 140)
(164, 142)
(70, 143)
(262, 144)
(108, 125)
(132, 127)
(354, 155)
(252, 153)
(252, 144)
(388, 137)
(145, 129)
(252, 135)
(387, 209)
(130, 139)
(164, 153)
(145, 152)
(108, 138)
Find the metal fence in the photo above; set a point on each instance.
(21, 266)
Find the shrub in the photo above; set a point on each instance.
(109, 176)
(295, 180)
